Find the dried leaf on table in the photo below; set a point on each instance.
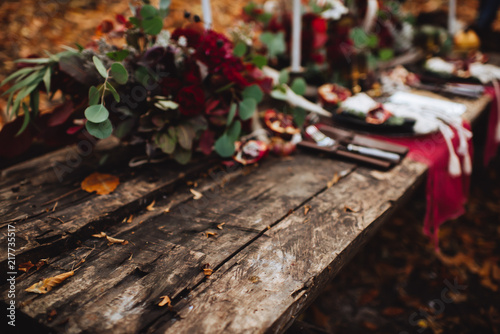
(47, 284)
(26, 266)
(102, 184)
(111, 240)
(165, 301)
(334, 180)
(197, 194)
(150, 207)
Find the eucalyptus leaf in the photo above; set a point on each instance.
(279, 95)
(224, 146)
(164, 6)
(232, 113)
(100, 130)
(119, 55)
(166, 143)
(124, 128)
(234, 131)
(275, 43)
(97, 113)
(259, 61)
(113, 91)
(182, 156)
(119, 73)
(152, 26)
(299, 86)
(148, 11)
(253, 91)
(240, 49)
(100, 67)
(247, 107)
(185, 136)
(284, 77)
(93, 96)
(299, 116)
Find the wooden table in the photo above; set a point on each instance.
(273, 235)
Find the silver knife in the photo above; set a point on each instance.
(374, 152)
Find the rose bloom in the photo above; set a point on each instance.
(191, 100)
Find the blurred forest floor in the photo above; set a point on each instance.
(396, 283)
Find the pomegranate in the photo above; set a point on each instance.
(249, 152)
(378, 116)
(280, 123)
(281, 147)
(331, 94)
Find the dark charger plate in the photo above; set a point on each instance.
(350, 121)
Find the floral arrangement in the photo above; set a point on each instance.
(176, 92)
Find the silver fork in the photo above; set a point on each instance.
(319, 137)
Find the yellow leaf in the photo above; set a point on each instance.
(47, 284)
(150, 207)
(102, 184)
(220, 226)
(111, 240)
(334, 180)
(165, 301)
(197, 194)
(306, 209)
(26, 266)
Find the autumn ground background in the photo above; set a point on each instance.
(395, 284)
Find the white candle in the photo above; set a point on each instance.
(207, 13)
(296, 32)
(452, 10)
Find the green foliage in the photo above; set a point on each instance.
(100, 67)
(275, 43)
(254, 92)
(118, 55)
(259, 60)
(99, 130)
(97, 113)
(224, 146)
(299, 86)
(119, 73)
(240, 49)
(284, 77)
(247, 107)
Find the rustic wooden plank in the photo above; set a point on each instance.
(272, 280)
(48, 233)
(248, 205)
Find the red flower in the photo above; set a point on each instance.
(191, 100)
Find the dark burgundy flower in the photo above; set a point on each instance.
(192, 33)
(191, 100)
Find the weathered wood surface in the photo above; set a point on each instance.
(269, 259)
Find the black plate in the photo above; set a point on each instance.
(350, 121)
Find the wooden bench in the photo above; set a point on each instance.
(273, 236)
